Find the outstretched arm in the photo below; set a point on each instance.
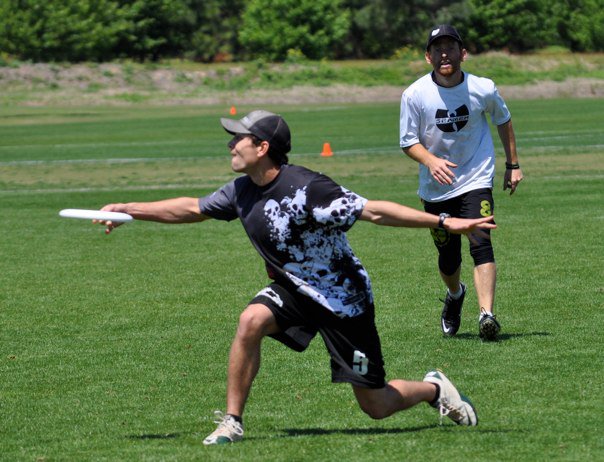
(178, 210)
(388, 213)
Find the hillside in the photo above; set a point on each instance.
(553, 75)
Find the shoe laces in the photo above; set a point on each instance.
(485, 314)
(226, 422)
(447, 309)
(447, 409)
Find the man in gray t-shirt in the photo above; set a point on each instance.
(443, 127)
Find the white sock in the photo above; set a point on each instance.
(457, 294)
(484, 313)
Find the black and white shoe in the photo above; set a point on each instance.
(450, 319)
(488, 326)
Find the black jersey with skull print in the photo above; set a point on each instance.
(298, 224)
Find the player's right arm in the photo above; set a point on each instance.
(410, 131)
(177, 210)
(439, 168)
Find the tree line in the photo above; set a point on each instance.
(278, 30)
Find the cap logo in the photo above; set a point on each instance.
(435, 32)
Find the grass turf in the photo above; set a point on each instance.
(115, 347)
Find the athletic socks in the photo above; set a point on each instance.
(434, 403)
(236, 418)
(457, 294)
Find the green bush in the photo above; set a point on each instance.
(61, 30)
(272, 27)
(284, 30)
(580, 24)
(513, 25)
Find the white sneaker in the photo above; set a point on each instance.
(228, 431)
(450, 402)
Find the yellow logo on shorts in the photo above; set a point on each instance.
(441, 237)
(485, 209)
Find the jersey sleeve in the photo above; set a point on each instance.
(333, 205)
(220, 204)
(409, 121)
(499, 111)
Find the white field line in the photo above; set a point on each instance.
(92, 145)
(348, 152)
(546, 148)
(129, 160)
(200, 186)
(196, 186)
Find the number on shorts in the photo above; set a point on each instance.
(360, 363)
(485, 209)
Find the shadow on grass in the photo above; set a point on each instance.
(500, 337)
(353, 431)
(154, 436)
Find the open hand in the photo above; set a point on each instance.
(440, 169)
(471, 227)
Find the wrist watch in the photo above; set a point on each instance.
(441, 220)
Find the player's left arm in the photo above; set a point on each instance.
(513, 173)
(388, 213)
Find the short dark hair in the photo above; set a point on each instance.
(274, 152)
(266, 126)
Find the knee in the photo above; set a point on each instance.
(372, 403)
(374, 411)
(254, 323)
(449, 265)
(482, 253)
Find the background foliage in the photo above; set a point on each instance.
(226, 30)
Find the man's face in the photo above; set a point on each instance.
(445, 55)
(244, 153)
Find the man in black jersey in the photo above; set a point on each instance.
(297, 220)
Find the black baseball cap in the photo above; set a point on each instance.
(444, 30)
(264, 125)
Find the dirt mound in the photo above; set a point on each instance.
(119, 84)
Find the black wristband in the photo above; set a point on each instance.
(515, 166)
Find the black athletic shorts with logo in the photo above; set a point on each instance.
(473, 204)
(353, 343)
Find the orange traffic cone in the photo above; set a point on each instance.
(233, 111)
(327, 152)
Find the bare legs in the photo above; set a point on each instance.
(485, 277)
(256, 322)
(452, 281)
(396, 396)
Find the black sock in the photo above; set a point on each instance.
(434, 402)
(238, 418)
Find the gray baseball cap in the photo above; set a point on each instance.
(444, 30)
(264, 125)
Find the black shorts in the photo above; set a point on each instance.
(353, 343)
(473, 204)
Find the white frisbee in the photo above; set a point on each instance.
(95, 215)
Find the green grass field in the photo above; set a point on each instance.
(115, 347)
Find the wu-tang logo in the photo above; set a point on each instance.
(441, 237)
(452, 121)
